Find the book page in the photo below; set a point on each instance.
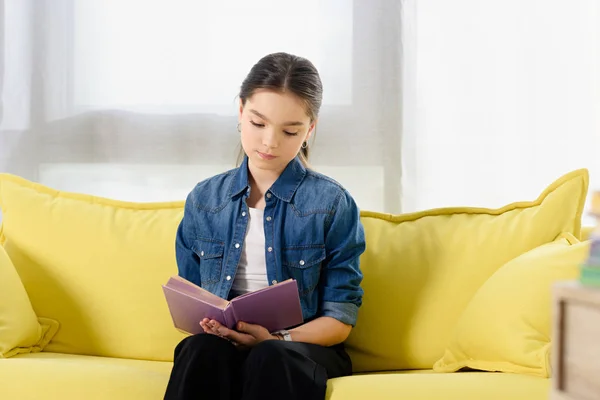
(187, 287)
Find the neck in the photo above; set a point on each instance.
(260, 181)
(261, 177)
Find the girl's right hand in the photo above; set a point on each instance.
(210, 327)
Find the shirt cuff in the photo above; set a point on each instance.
(343, 312)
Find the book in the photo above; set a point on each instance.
(590, 269)
(275, 307)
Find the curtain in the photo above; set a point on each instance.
(500, 99)
(427, 103)
(136, 99)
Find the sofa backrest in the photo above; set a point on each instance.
(422, 269)
(97, 265)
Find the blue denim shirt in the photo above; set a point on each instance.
(312, 230)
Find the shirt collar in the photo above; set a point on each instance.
(284, 187)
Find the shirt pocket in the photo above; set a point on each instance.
(304, 265)
(210, 252)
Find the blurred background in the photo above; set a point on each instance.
(427, 103)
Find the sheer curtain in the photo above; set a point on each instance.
(500, 98)
(428, 103)
(136, 99)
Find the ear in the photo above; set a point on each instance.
(241, 111)
(311, 130)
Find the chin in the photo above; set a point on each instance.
(274, 165)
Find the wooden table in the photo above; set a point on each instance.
(576, 342)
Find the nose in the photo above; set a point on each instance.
(269, 138)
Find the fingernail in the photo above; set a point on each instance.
(240, 325)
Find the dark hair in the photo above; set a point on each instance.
(285, 72)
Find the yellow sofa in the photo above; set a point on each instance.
(82, 314)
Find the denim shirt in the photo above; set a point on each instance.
(313, 234)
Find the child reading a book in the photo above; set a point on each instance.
(269, 220)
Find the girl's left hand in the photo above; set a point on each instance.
(246, 335)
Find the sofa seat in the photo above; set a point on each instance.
(66, 376)
(429, 385)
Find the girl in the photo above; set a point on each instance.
(269, 220)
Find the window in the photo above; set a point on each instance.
(189, 55)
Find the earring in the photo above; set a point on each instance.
(304, 145)
(238, 127)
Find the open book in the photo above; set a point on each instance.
(274, 307)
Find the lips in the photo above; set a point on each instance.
(266, 156)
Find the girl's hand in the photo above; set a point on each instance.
(247, 335)
(211, 327)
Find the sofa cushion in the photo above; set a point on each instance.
(425, 385)
(67, 376)
(21, 331)
(422, 269)
(96, 266)
(507, 325)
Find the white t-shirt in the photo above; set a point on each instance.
(251, 273)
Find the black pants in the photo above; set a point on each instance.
(209, 367)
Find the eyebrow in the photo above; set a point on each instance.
(290, 123)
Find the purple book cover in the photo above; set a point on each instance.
(275, 307)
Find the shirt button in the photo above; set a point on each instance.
(268, 195)
(243, 213)
(270, 249)
(237, 245)
(202, 254)
(301, 262)
(273, 281)
(268, 218)
(228, 277)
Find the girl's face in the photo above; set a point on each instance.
(273, 127)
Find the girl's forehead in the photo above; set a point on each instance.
(278, 105)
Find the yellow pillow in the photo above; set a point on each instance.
(507, 325)
(96, 266)
(20, 329)
(422, 269)
(586, 232)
